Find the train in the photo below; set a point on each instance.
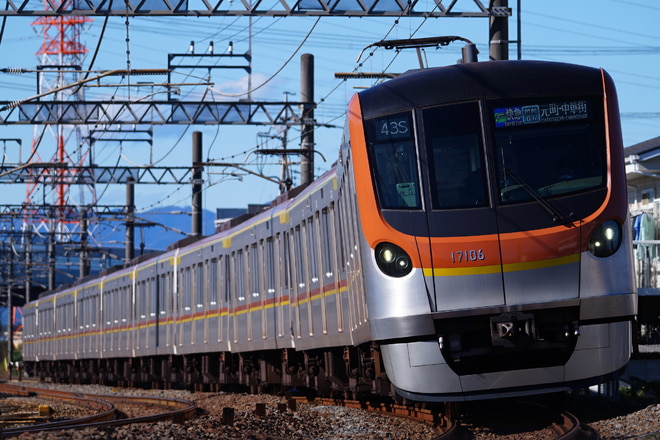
(472, 241)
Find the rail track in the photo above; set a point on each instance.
(449, 424)
(105, 409)
(563, 425)
(521, 421)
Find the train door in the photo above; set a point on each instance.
(298, 282)
(152, 309)
(284, 298)
(199, 292)
(269, 289)
(211, 303)
(104, 324)
(254, 297)
(185, 328)
(462, 222)
(165, 309)
(224, 306)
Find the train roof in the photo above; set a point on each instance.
(488, 79)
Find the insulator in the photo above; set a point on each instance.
(11, 105)
(14, 70)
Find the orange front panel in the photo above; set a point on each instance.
(375, 228)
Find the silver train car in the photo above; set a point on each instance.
(471, 242)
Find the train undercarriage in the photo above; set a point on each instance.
(346, 372)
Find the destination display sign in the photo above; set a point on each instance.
(393, 127)
(514, 116)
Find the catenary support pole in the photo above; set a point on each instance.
(307, 128)
(197, 184)
(499, 33)
(130, 219)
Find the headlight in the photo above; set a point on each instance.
(606, 239)
(393, 260)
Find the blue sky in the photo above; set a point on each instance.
(618, 35)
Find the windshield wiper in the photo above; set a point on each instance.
(555, 214)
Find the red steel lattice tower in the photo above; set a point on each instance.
(61, 55)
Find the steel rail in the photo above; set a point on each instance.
(446, 426)
(571, 428)
(568, 428)
(178, 410)
(107, 410)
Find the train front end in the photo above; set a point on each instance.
(492, 199)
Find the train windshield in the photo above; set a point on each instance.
(545, 149)
(455, 153)
(394, 161)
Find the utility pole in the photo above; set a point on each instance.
(83, 260)
(198, 169)
(10, 315)
(27, 244)
(499, 33)
(307, 128)
(130, 219)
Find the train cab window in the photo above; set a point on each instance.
(456, 162)
(391, 146)
(548, 148)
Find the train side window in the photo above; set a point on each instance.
(187, 289)
(125, 302)
(299, 256)
(312, 247)
(227, 279)
(153, 297)
(199, 285)
(269, 257)
(163, 293)
(58, 315)
(328, 238)
(340, 223)
(81, 313)
(286, 260)
(213, 282)
(456, 160)
(116, 301)
(142, 299)
(240, 276)
(96, 309)
(254, 270)
(107, 310)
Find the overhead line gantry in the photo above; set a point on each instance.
(280, 8)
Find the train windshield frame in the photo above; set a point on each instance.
(542, 148)
(547, 148)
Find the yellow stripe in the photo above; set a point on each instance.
(514, 267)
(496, 268)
